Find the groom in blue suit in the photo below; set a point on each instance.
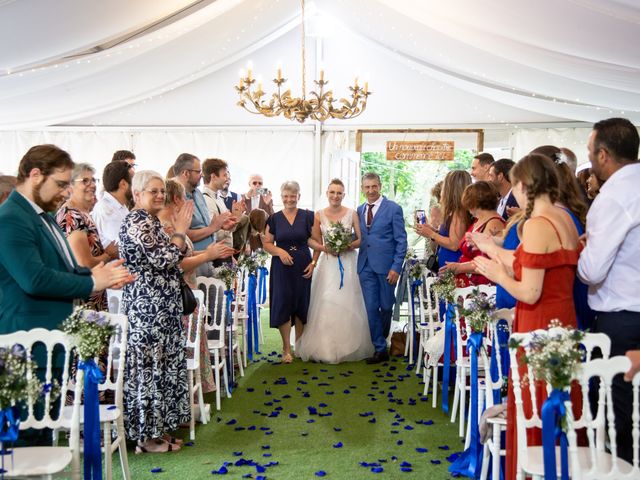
(382, 250)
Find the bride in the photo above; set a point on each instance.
(337, 328)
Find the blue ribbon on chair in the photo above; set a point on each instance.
(252, 324)
(9, 429)
(341, 267)
(553, 411)
(503, 346)
(92, 452)
(470, 462)
(230, 297)
(262, 284)
(449, 333)
(414, 285)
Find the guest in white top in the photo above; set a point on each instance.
(111, 209)
(610, 263)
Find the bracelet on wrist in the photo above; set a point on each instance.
(179, 235)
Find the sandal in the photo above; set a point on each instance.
(170, 448)
(173, 440)
(287, 358)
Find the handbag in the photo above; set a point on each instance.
(189, 302)
(432, 263)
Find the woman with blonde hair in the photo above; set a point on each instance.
(540, 273)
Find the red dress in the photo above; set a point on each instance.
(555, 302)
(469, 253)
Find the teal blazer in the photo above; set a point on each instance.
(37, 286)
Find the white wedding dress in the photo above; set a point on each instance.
(337, 329)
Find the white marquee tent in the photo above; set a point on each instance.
(157, 76)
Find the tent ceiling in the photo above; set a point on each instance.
(174, 62)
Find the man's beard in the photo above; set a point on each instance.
(128, 195)
(50, 206)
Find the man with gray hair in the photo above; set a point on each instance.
(382, 249)
(7, 185)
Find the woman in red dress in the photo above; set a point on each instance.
(481, 201)
(539, 274)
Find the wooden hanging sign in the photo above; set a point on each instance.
(423, 150)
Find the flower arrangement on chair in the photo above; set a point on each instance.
(227, 273)
(554, 357)
(91, 330)
(446, 286)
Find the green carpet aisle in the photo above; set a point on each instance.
(297, 421)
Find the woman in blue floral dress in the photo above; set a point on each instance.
(156, 393)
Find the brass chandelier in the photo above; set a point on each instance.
(317, 105)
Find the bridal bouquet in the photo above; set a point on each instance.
(554, 355)
(337, 237)
(227, 273)
(479, 312)
(18, 380)
(90, 329)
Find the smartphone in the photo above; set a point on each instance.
(421, 217)
(262, 191)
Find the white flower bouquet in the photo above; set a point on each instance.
(90, 329)
(337, 238)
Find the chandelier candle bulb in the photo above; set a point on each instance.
(321, 75)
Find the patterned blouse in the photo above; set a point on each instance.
(70, 220)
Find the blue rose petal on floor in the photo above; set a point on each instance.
(261, 477)
(346, 391)
(406, 469)
(444, 447)
(237, 454)
(322, 405)
(293, 415)
(373, 420)
(312, 410)
(393, 458)
(337, 429)
(405, 464)
(421, 450)
(408, 427)
(252, 427)
(436, 462)
(265, 428)
(233, 421)
(267, 454)
(304, 434)
(220, 471)
(311, 420)
(399, 442)
(377, 469)
(156, 470)
(260, 468)
(453, 457)
(320, 473)
(189, 444)
(337, 445)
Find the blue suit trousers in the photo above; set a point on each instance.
(379, 297)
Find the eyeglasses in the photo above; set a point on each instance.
(87, 181)
(256, 183)
(154, 192)
(199, 172)
(61, 184)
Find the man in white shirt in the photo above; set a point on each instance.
(216, 177)
(609, 263)
(111, 209)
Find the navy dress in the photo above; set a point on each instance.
(444, 254)
(289, 291)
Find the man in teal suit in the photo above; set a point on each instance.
(39, 276)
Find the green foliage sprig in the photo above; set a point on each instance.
(91, 331)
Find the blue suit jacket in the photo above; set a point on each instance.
(384, 244)
(37, 287)
(511, 202)
(228, 201)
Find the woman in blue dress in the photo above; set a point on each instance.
(456, 218)
(286, 238)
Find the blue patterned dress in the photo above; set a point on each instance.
(156, 392)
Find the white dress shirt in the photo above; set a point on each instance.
(374, 210)
(502, 205)
(215, 204)
(108, 215)
(610, 263)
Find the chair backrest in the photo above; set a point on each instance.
(50, 416)
(114, 301)
(215, 311)
(429, 303)
(600, 466)
(194, 328)
(523, 423)
(463, 298)
(502, 320)
(116, 358)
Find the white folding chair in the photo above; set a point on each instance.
(47, 461)
(502, 318)
(240, 318)
(112, 415)
(530, 458)
(429, 309)
(215, 326)
(193, 339)
(114, 301)
(463, 362)
(594, 462)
